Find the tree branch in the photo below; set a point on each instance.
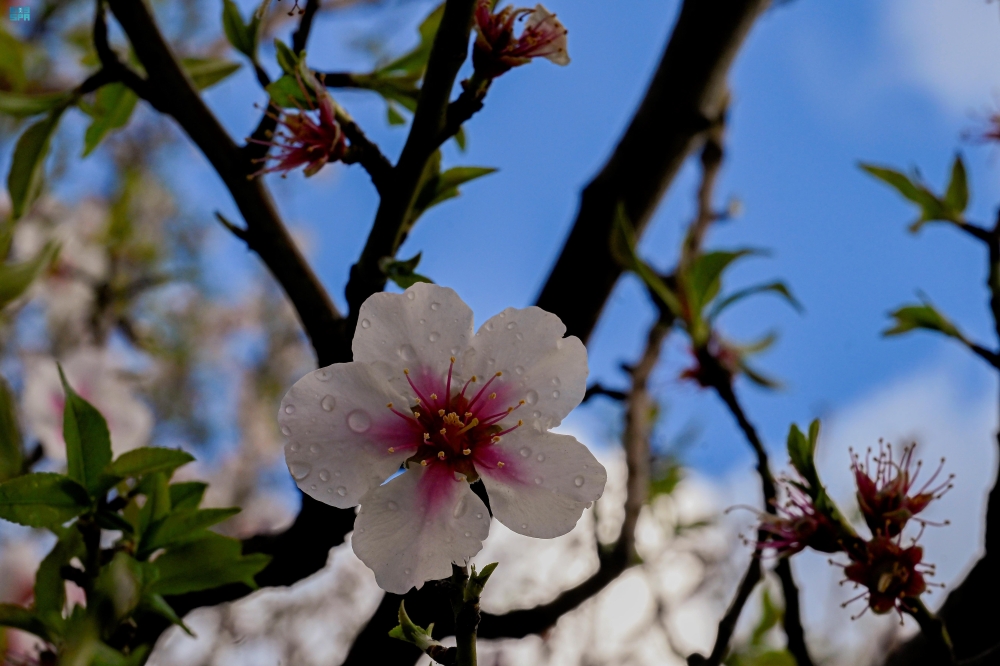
(727, 625)
(688, 90)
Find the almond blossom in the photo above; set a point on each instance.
(497, 50)
(449, 407)
(306, 140)
(92, 373)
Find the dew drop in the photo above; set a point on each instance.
(294, 446)
(538, 480)
(555, 394)
(502, 315)
(531, 397)
(406, 571)
(519, 370)
(312, 487)
(511, 326)
(540, 457)
(479, 515)
(314, 448)
(434, 337)
(365, 323)
(524, 526)
(407, 353)
(289, 409)
(342, 491)
(337, 473)
(435, 306)
(359, 421)
(468, 534)
(285, 431)
(410, 295)
(519, 336)
(328, 403)
(423, 321)
(555, 381)
(536, 415)
(324, 475)
(578, 481)
(322, 375)
(461, 508)
(392, 506)
(526, 452)
(491, 361)
(454, 351)
(299, 470)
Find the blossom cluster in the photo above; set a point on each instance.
(892, 573)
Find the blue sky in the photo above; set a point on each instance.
(818, 87)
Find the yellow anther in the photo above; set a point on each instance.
(468, 414)
(499, 374)
(520, 423)
(392, 449)
(466, 452)
(416, 415)
(427, 436)
(520, 403)
(423, 463)
(405, 371)
(434, 396)
(440, 412)
(495, 440)
(493, 396)
(452, 359)
(472, 424)
(441, 455)
(389, 405)
(418, 400)
(499, 464)
(510, 409)
(444, 431)
(473, 378)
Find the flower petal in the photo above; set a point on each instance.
(339, 432)
(420, 328)
(539, 365)
(544, 484)
(414, 527)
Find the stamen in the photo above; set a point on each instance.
(466, 452)
(495, 440)
(519, 424)
(413, 386)
(423, 463)
(440, 412)
(493, 396)
(444, 431)
(447, 391)
(392, 449)
(441, 455)
(499, 464)
(399, 414)
(472, 424)
(434, 396)
(416, 415)
(482, 390)
(427, 436)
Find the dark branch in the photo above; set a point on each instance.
(727, 625)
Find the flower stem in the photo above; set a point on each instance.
(933, 628)
(466, 590)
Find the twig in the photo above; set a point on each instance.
(728, 622)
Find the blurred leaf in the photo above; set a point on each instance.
(414, 62)
(27, 168)
(759, 378)
(779, 288)
(50, 588)
(179, 526)
(11, 459)
(393, 116)
(110, 520)
(88, 442)
(923, 316)
(16, 278)
(157, 491)
(121, 583)
(703, 278)
(287, 59)
(956, 198)
(666, 481)
(932, 209)
(623, 249)
(210, 562)
(402, 272)
(206, 72)
(42, 500)
(770, 616)
(24, 619)
(147, 460)
(157, 604)
(460, 138)
(801, 453)
(22, 105)
(12, 75)
(112, 109)
(243, 37)
(187, 495)
(288, 93)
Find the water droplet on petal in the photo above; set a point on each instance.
(511, 326)
(392, 505)
(322, 375)
(365, 323)
(289, 409)
(285, 431)
(312, 487)
(524, 526)
(434, 337)
(423, 321)
(314, 448)
(410, 295)
(299, 470)
(407, 353)
(435, 306)
(359, 421)
(468, 534)
(491, 361)
(555, 394)
(540, 457)
(406, 571)
(519, 336)
(536, 415)
(461, 508)
(555, 381)
(519, 370)
(324, 475)
(454, 351)
(525, 452)
(578, 481)
(479, 515)
(294, 446)
(342, 491)
(531, 397)
(489, 326)
(502, 315)
(328, 403)
(538, 480)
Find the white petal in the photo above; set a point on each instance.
(539, 365)
(413, 528)
(545, 483)
(339, 432)
(546, 21)
(421, 328)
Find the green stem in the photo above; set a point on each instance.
(933, 628)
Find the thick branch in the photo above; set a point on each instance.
(687, 92)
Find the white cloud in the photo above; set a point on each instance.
(951, 48)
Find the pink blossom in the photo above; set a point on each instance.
(312, 137)
(451, 407)
(497, 50)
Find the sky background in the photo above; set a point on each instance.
(818, 87)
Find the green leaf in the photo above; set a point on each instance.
(666, 481)
(12, 52)
(800, 453)
(410, 632)
(17, 277)
(460, 139)
(110, 520)
(112, 109)
(206, 72)
(414, 62)
(287, 59)
(289, 93)
(121, 584)
(402, 272)
(439, 187)
(181, 526)
(623, 248)
(155, 603)
(157, 506)
(703, 278)
(88, 442)
(931, 208)
(42, 500)
(923, 316)
(237, 32)
(50, 588)
(147, 460)
(11, 459)
(27, 168)
(393, 116)
(758, 377)
(210, 562)
(187, 495)
(779, 288)
(956, 198)
(23, 105)
(24, 619)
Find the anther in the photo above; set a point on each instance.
(392, 449)
(466, 452)
(441, 455)
(468, 414)
(472, 424)
(521, 402)
(416, 415)
(440, 412)
(452, 359)
(423, 463)
(499, 464)
(427, 436)
(434, 396)
(495, 440)
(499, 374)
(389, 405)
(406, 371)
(444, 431)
